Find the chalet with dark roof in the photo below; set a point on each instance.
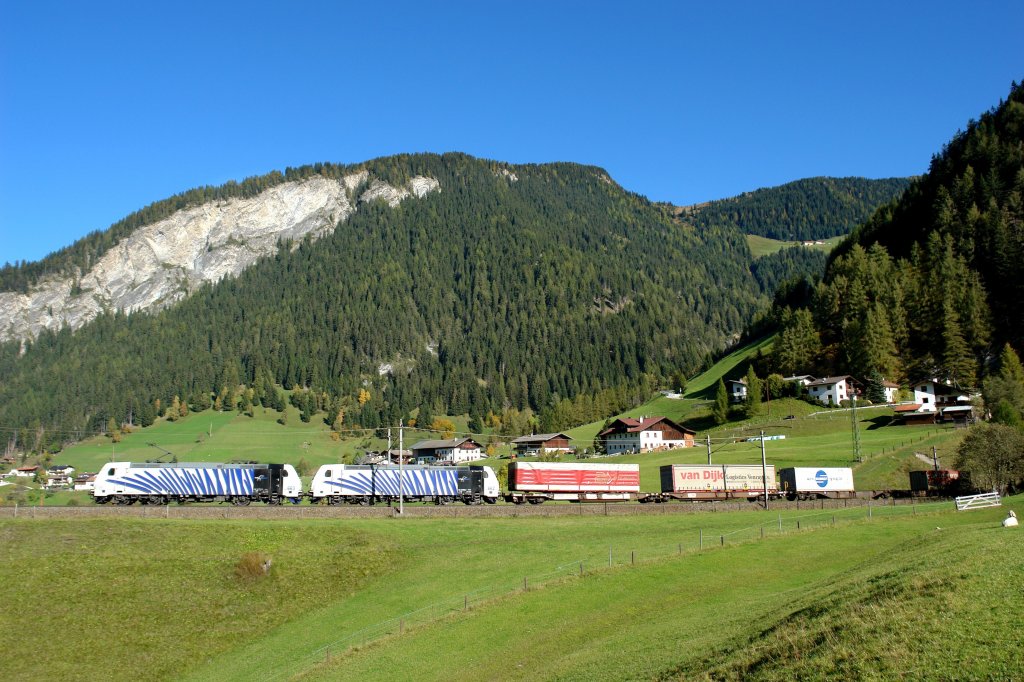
(542, 442)
(452, 451)
(933, 395)
(645, 434)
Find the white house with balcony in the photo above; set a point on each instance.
(832, 390)
(933, 395)
(737, 390)
(453, 451)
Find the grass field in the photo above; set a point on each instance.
(763, 246)
(153, 598)
(926, 597)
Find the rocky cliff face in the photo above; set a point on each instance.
(162, 263)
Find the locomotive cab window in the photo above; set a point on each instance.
(327, 473)
(110, 471)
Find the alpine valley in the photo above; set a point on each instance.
(439, 284)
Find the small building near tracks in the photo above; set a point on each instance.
(542, 442)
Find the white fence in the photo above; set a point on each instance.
(977, 501)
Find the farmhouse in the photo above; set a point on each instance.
(542, 442)
(645, 434)
(26, 472)
(933, 395)
(737, 390)
(451, 451)
(831, 390)
(85, 482)
(890, 390)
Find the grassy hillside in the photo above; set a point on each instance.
(764, 246)
(165, 597)
(916, 598)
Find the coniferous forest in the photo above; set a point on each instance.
(931, 284)
(812, 208)
(492, 293)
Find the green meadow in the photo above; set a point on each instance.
(730, 595)
(764, 246)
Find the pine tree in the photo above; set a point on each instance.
(1010, 366)
(720, 410)
(957, 361)
(754, 400)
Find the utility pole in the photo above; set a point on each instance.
(764, 473)
(401, 467)
(856, 430)
(709, 449)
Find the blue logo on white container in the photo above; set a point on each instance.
(821, 478)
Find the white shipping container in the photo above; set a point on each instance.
(816, 480)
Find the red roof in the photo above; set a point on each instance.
(907, 408)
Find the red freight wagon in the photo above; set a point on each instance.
(535, 482)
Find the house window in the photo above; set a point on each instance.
(925, 400)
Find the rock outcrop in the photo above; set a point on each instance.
(162, 263)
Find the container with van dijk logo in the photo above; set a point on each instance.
(716, 482)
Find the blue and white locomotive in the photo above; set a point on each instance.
(162, 483)
(368, 484)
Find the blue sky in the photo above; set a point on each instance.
(108, 106)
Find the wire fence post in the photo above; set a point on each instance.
(723, 541)
(780, 523)
(702, 538)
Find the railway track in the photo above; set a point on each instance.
(292, 512)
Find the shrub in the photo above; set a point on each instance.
(253, 566)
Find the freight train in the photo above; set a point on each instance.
(528, 482)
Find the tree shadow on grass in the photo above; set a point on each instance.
(879, 422)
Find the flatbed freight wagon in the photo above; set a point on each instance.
(535, 482)
(697, 482)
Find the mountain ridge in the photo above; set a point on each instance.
(161, 263)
